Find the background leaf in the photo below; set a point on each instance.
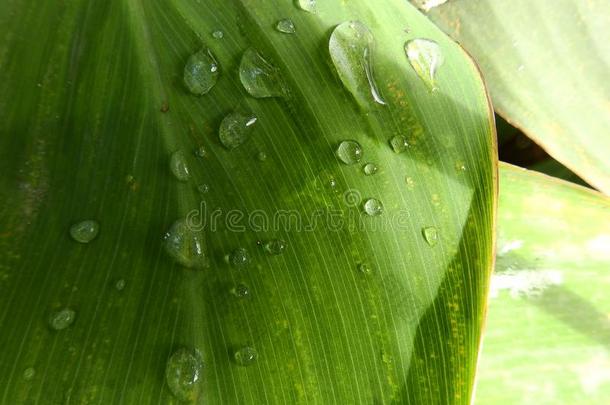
(548, 334)
(546, 64)
(92, 105)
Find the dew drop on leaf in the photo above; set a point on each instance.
(425, 57)
(351, 49)
(306, 5)
(349, 152)
(235, 129)
(203, 188)
(185, 245)
(62, 318)
(239, 257)
(285, 26)
(259, 77)
(399, 143)
(201, 152)
(245, 356)
(29, 373)
(430, 235)
(261, 156)
(218, 34)
(364, 268)
(183, 374)
(85, 231)
(200, 72)
(120, 285)
(373, 207)
(370, 168)
(178, 166)
(240, 290)
(275, 246)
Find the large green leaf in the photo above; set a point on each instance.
(546, 64)
(547, 335)
(92, 105)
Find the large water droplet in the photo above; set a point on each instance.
(286, 26)
(240, 290)
(373, 207)
(183, 374)
(179, 166)
(85, 231)
(425, 57)
(185, 245)
(306, 5)
(275, 246)
(259, 77)
(349, 152)
(62, 318)
(235, 129)
(200, 72)
(351, 48)
(399, 143)
(370, 168)
(245, 356)
(239, 257)
(430, 235)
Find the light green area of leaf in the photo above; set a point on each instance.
(546, 64)
(92, 106)
(547, 338)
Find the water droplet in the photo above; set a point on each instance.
(399, 143)
(259, 77)
(460, 166)
(201, 72)
(203, 188)
(370, 168)
(245, 356)
(262, 156)
(29, 373)
(286, 26)
(120, 285)
(184, 244)
(364, 268)
(62, 318)
(239, 257)
(373, 207)
(306, 5)
(351, 48)
(410, 182)
(178, 166)
(349, 152)
(430, 235)
(85, 231)
(235, 129)
(218, 34)
(426, 58)
(240, 290)
(275, 246)
(201, 152)
(183, 374)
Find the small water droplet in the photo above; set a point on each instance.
(29, 373)
(430, 235)
(203, 188)
(62, 318)
(373, 207)
(183, 374)
(164, 107)
(185, 245)
(262, 156)
(239, 257)
(399, 143)
(240, 290)
(364, 268)
(351, 49)
(85, 231)
(286, 26)
(349, 152)
(245, 356)
(201, 72)
(306, 5)
(235, 129)
(178, 166)
(275, 246)
(410, 182)
(218, 34)
(201, 152)
(120, 285)
(370, 168)
(259, 77)
(460, 166)
(426, 58)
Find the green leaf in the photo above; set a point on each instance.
(547, 334)
(353, 309)
(546, 64)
